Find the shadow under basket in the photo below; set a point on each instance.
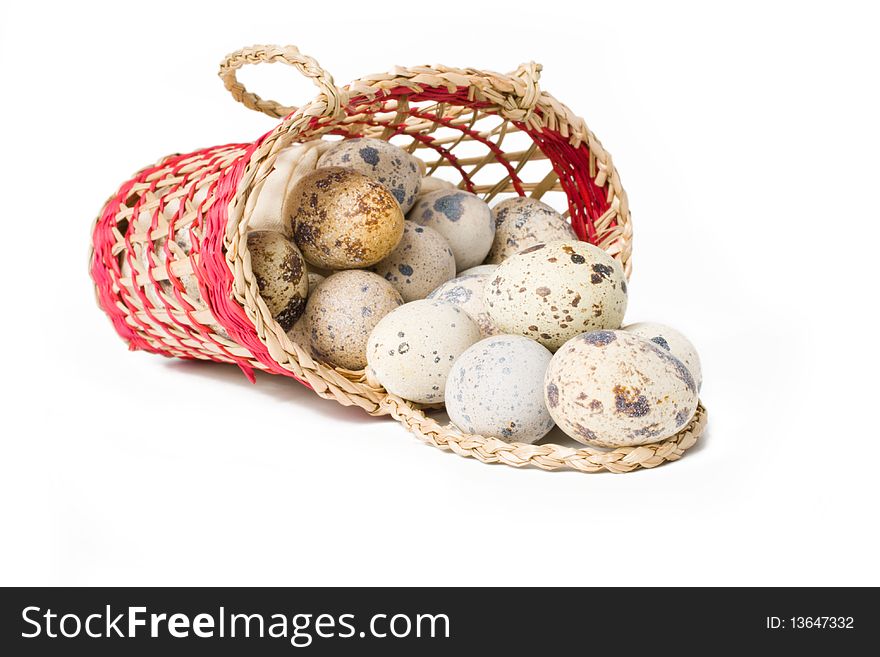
(169, 251)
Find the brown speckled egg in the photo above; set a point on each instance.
(342, 311)
(299, 334)
(281, 275)
(463, 219)
(613, 388)
(466, 292)
(553, 292)
(385, 163)
(522, 222)
(673, 342)
(343, 220)
(411, 351)
(419, 263)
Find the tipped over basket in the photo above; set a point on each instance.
(169, 251)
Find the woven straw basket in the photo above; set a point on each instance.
(169, 251)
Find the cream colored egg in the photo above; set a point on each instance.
(613, 388)
(385, 163)
(466, 292)
(463, 219)
(342, 219)
(674, 342)
(553, 292)
(411, 350)
(341, 313)
(299, 334)
(479, 269)
(432, 184)
(281, 275)
(496, 388)
(419, 263)
(524, 222)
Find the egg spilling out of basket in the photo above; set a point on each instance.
(500, 313)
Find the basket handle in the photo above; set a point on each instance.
(286, 55)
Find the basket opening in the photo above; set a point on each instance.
(483, 152)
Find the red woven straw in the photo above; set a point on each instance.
(586, 201)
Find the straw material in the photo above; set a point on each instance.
(169, 250)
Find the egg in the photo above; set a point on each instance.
(463, 219)
(553, 292)
(299, 333)
(432, 184)
(281, 275)
(419, 263)
(674, 342)
(385, 163)
(496, 388)
(411, 350)
(341, 219)
(613, 388)
(479, 269)
(523, 222)
(341, 313)
(466, 292)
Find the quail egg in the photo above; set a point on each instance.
(613, 388)
(281, 275)
(552, 292)
(411, 350)
(522, 222)
(496, 388)
(463, 219)
(385, 163)
(466, 292)
(419, 263)
(341, 219)
(341, 313)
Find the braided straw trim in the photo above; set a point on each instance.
(546, 456)
(515, 97)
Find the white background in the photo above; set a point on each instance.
(748, 141)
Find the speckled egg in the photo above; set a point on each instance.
(674, 342)
(613, 388)
(553, 292)
(385, 163)
(341, 313)
(432, 184)
(479, 269)
(419, 263)
(299, 334)
(341, 219)
(466, 292)
(496, 388)
(411, 350)
(281, 275)
(463, 219)
(523, 222)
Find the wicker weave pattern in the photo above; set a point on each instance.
(172, 269)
